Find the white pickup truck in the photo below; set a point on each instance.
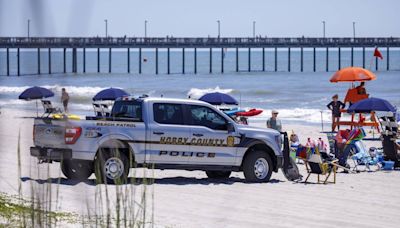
(160, 133)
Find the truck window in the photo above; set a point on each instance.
(168, 113)
(127, 109)
(204, 116)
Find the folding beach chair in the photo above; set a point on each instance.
(101, 109)
(315, 164)
(49, 109)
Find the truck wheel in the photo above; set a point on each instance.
(257, 167)
(77, 169)
(218, 174)
(112, 167)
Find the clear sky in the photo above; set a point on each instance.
(278, 18)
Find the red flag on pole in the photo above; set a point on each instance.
(377, 53)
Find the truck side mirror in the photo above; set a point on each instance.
(230, 127)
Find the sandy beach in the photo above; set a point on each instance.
(189, 199)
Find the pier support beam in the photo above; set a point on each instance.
(109, 60)
(237, 59)
(64, 62)
(276, 59)
(339, 58)
(195, 60)
(129, 60)
(8, 62)
(156, 60)
(210, 60)
(18, 67)
(314, 59)
(74, 60)
(183, 60)
(98, 60)
(301, 59)
(84, 60)
(288, 60)
(352, 56)
(168, 62)
(363, 54)
(222, 60)
(140, 60)
(38, 60)
(327, 59)
(49, 52)
(249, 60)
(387, 58)
(263, 59)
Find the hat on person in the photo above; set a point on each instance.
(274, 112)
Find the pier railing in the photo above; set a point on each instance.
(206, 42)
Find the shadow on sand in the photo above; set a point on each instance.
(149, 181)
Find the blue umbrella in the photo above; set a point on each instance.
(218, 99)
(371, 104)
(35, 92)
(109, 94)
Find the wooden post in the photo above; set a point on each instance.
(168, 62)
(263, 59)
(129, 60)
(84, 60)
(222, 60)
(64, 62)
(156, 60)
(98, 60)
(249, 60)
(183, 60)
(38, 59)
(210, 60)
(301, 59)
(74, 60)
(314, 68)
(109, 60)
(288, 59)
(8, 62)
(237, 59)
(140, 60)
(18, 67)
(339, 59)
(363, 51)
(276, 59)
(327, 59)
(387, 58)
(352, 56)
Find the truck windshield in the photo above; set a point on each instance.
(127, 109)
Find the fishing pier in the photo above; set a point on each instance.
(211, 44)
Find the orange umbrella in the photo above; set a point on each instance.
(353, 74)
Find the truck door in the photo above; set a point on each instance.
(169, 137)
(210, 141)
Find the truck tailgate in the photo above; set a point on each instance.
(49, 133)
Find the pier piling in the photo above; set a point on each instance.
(339, 59)
(314, 60)
(352, 56)
(129, 60)
(249, 60)
(183, 60)
(210, 60)
(109, 60)
(18, 67)
(98, 60)
(156, 60)
(84, 60)
(74, 60)
(276, 59)
(49, 58)
(8, 61)
(301, 59)
(222, 60)
(363, 57)
(387, 58)
(327, 59)
(140, 60)
(237, 59)
(38, 60)
(195, 60)
(289, 59)
(64, 62)
(263, 59)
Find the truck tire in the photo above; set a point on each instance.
(112, 167)
(257, 167)
(77, 169)
(218, 174)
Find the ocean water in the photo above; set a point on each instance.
(300, 97)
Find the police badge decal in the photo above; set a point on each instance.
(230, 141)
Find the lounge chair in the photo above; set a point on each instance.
(389, 137)
(49, 109)
(316, 164)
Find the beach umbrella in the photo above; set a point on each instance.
(109, 94)
(35, 93)
(218, 99)
(353, 74)
(371, 104)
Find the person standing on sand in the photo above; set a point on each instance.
(335, 105)
(274, 122)
(64, 99)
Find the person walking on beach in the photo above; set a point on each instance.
(274, 122)
(64, 99)
(335, 105)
